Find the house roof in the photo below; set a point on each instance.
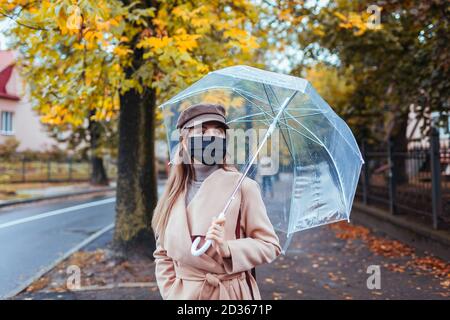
(7, 61)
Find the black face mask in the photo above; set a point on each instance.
(209, 150)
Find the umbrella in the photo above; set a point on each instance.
(314, 160)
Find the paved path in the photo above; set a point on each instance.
(328, 262)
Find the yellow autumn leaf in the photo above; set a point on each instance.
(154, 42)
(122, 51)
(186, 42)
(340, 16)
(235, 33)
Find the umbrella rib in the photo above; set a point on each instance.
(187, 95)
(308, 115)
(329, 154)
(266, 136)
(316, 97)
(289, 236)
(257, 106)
(309, 138)
(253, 114)
(245, 117)
(314, 109)
(243, 92)
(265, 121)
(282, 134)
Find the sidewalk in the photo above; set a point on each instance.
(31, 192)
(328, 262)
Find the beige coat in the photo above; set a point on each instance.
(182, 276)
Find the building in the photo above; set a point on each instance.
(17, 118)
(416, 138)
(418, 141)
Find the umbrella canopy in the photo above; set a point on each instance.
(286, 137)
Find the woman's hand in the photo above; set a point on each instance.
(216, 233)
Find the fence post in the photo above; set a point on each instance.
(48, 170)
(436, 194)
(365, 173)
(106, 163)
(23, 169)
(70, 169)
(392, 176)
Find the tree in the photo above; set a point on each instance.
(334, 85)
(396, 52)
(401, 60)
(129, 55)
(65, 73)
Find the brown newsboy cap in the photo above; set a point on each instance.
(200, 113)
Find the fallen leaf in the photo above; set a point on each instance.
(269, 280)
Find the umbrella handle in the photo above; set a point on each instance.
(198, 252)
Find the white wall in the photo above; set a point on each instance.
(26, 124)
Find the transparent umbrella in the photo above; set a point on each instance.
(287, 138)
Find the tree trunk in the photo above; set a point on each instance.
(136, 194)
(136, 183)
(98, 173)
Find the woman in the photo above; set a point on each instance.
(194, 196)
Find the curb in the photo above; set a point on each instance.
(56, 196)
(398, 226)
(43, 271)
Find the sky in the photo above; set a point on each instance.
(3, 39)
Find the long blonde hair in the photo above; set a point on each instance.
(180, 175)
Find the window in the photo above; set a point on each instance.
(6, 123)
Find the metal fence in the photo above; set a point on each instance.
(415, 182)
(27, 170)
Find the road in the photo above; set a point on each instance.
(35, 235)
